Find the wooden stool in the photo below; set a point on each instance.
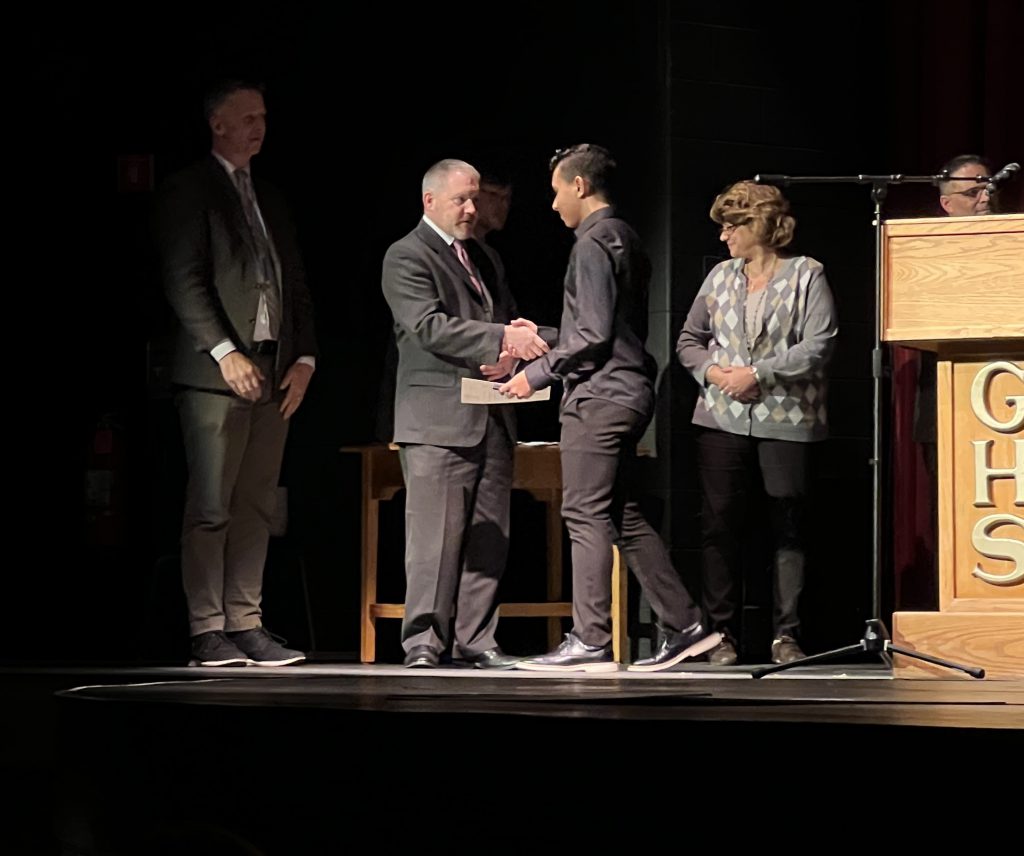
(538, 471)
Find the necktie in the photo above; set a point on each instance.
(269, 316)
(460, 251)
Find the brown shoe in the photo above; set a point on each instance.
(785, 650)
(724, 653)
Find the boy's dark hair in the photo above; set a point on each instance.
(589, 161)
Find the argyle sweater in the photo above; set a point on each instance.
(790, 352)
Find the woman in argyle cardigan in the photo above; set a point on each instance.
(757, 340)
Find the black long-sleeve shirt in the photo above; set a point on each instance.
(600, 351)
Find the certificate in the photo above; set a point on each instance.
(486, 392)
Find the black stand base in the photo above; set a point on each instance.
(876, 641)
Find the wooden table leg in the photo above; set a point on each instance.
(371, 510)
(620, 614)
(553, 505)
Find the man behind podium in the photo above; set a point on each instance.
(961, 195)
(245, 355)
(453, 315)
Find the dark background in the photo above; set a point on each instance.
(689, 96)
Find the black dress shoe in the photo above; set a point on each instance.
(421, 657)
(573, 655)
(495, 658)
(676, 646)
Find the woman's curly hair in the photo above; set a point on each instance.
(761, 206)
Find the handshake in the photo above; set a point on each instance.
(521, 342)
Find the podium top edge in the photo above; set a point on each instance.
(981, 218)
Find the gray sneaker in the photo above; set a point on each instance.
(263, 649)
(573, 655)
(213, 648)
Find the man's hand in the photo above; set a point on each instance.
(295, 382)
(518, 387)
(503, 368)
(521, 340)
(242, 375)
(524, 322)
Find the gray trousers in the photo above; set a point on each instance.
(456, 540)
(598, 452)
(234, 450)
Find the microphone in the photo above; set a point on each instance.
(763, 178)
(1005, 173)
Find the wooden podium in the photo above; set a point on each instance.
(955, 285)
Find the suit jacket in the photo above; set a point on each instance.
(601, 349)
(210, 271)
(444, 330)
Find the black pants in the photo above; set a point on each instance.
(598, 452)
(731, 467)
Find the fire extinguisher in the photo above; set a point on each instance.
(102, 487)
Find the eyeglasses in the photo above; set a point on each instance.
(729, 228)
(971, 192)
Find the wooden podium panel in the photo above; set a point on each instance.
(981, 501)
(956, 285)
(953, 280)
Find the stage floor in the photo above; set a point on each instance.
(862, 695)
(324, 757)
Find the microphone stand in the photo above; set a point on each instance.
(876, 639)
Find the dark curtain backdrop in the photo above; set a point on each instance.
(355, 119)
(954, 87)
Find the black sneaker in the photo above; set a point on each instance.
(262, 648)
(573, 655)
(213, 648)
(676, 646)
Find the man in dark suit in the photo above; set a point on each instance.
(244, 358)
(961, 195)
(493, 205)
(453, 318)
(607, 403)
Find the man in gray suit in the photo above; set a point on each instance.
(607, 403)
(245, 355)
(453, 318)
